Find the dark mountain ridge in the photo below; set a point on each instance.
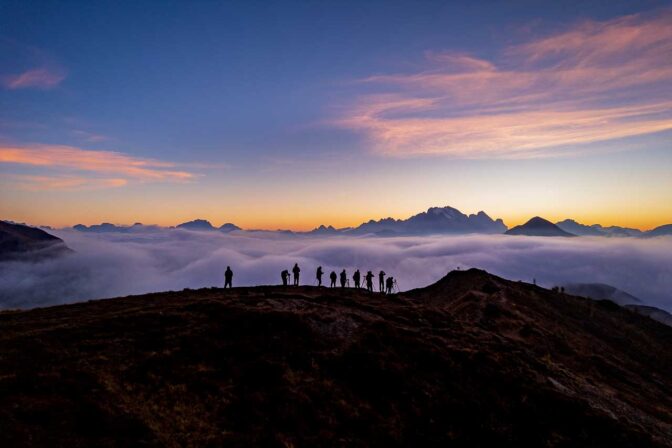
(436, 220)
(473, 360)
(538, 226)
(573, 227)
(21, 242)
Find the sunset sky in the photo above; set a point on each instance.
(295, 114)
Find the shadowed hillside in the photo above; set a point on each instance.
(473, 360)
(21, 242)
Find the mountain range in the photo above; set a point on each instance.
(204, 225)
(435, 221)
(106, 227)
(573, 227)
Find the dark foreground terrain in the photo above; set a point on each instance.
(473, 360)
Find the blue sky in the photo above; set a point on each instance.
(287, 114)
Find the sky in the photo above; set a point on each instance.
(294, 114)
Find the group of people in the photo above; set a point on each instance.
(285, 275)
(385, 285)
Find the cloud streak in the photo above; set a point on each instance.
(105, 163)
(39, 78)
(65, 183)
(596, 81)
(110, 265)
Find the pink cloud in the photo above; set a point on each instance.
(594, 82)
(66, 183)
(40, 78)
(99, 163)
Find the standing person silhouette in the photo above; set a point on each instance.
(390, 284)
(356, 277)
(332, 277)
(381, 281)
(318, 275)
(369, 281)
(296, 270)
(284, 275)
(228, 277)
(344, 278)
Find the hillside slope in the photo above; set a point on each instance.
(18, 241)
(473, 360)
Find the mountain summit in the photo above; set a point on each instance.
(436, 220)
(196, 224)
(538, 227)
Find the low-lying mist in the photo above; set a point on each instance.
(116, 264)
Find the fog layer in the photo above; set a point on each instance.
(116, 264)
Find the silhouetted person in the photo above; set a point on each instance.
(369, 281)
(357, 277)
(318, 275)
(381, 281)
(296, 271)
(284, 275)
(228, 277)
(333, 277)
(344, 278)
(389, 283)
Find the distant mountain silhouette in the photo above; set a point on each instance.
(621, 231)
(660, 231)
(106, 227)
(197, 224)
(538, 227)
(436, 220)
(575, 228)
(100, 228)
(18, 241)
(571, 226)
(325, 230)
(228, 227)
(654, 313)
(600, 291)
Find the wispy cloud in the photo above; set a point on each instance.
(39, 78)
(101, 163)
(28, 67)
(593, 82)
(90, 137)
(66, 183)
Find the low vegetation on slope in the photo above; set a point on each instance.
(473, 360)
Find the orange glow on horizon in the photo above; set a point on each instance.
(264, 221)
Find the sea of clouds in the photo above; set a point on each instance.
(119, 264)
